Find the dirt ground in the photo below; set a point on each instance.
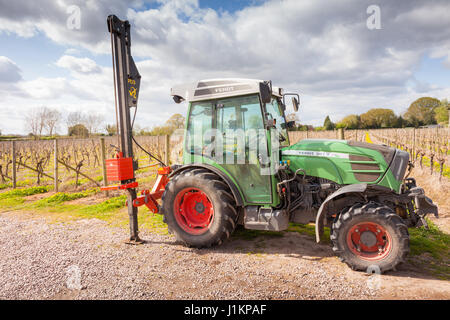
(87, 259)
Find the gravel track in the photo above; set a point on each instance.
(39, 259)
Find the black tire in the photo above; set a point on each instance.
(393, 230)
(219, 195)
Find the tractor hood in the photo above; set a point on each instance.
(348, 162)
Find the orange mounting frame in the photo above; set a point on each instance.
(148, 198)
(120, 186)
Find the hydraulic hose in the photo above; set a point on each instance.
(134, 140)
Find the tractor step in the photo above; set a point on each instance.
(258, 218)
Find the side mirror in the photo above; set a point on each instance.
(295, 100)
(265, 91)
(295, 104)
(289, 124)
(178, 99)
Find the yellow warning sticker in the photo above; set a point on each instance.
(132, 92)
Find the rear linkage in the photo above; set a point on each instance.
(148, 198)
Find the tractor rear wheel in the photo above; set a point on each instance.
(199, 208)
(369, 237)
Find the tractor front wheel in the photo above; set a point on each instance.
(198, 208)
(369, 237)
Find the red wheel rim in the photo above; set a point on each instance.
(194, 212)
(369, 241)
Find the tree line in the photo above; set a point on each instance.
(45, 121)
(422, 112)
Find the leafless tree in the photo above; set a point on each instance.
(74, 118)
(42, 118)
(51, 119)
(34, 122)
(93, 122)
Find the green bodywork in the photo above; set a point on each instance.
(330, 159)
(334, 160)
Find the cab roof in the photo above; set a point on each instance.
(217, 88)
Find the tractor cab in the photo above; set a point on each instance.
(237, 126)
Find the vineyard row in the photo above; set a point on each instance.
(72, 162)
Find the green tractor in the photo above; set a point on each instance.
(240, 169)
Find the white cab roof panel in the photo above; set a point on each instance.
(218, 88)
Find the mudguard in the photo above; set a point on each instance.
(234, 190)
(424, 204)
(321, 214)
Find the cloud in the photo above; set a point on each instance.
(78, 65)
(27, 18)
(321, 49)
(72, 52)
(290, 42)
(9, 71)
(44, 88)
(89, 92)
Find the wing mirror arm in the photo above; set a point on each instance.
(295, 100)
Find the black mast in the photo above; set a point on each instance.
(126, 90)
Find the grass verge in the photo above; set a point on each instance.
(24, 192)
(430, 250)
(61, 197)
(21, 183)
(16, 197)
(56, 208)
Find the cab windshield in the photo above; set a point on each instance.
(274, 111)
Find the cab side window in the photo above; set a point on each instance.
(200, 123)
(239, 121)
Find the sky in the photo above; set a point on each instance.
(342, 57)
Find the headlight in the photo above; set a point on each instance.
(399, 164)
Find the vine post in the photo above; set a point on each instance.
(55, 166)
(13, 153)
(166, 149)
(103, 159)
